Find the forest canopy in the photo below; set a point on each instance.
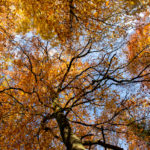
(74, 74)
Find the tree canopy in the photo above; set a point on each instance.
(71, 75)
(138, 47)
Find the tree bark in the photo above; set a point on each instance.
(71, 141)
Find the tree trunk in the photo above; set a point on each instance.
(71, 141)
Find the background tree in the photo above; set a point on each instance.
(63, 84)
(139, 47)
(138, 53)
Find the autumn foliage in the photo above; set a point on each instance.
(64, 80)
(139, 49)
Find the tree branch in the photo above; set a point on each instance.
(99, 142)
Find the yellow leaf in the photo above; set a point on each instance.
(132, 2)
(107, 3)
(96, 14)
(149, 39)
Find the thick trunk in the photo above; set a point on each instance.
(71, 141)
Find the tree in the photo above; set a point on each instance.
(139, 47)
(138, 53)
(63, 84)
